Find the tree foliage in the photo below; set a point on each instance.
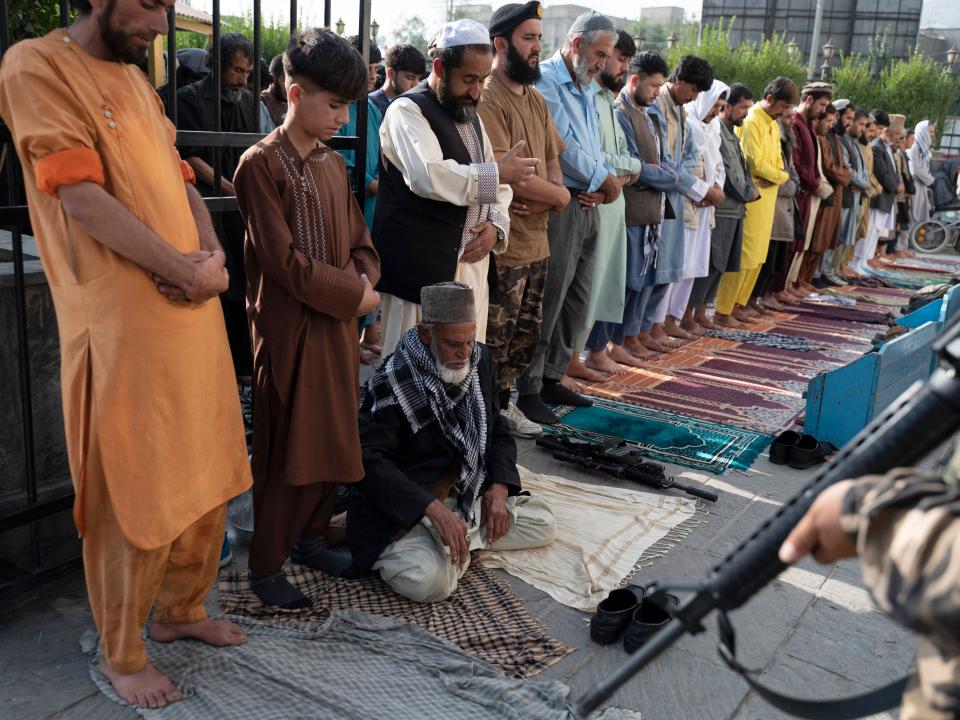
(34, 18)
(274, 34)
(412, 30)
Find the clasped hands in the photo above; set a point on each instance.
(207, 277)
(454, 532)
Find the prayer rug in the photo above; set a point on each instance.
(604, 534)
(767, 339)
(664, 435)
(484, 616)
(863, 312)
(892, 297)
(353, 666)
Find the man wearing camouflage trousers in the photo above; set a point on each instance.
(513, 111)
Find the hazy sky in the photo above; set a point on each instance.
(389, 13)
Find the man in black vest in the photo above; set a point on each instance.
(443, 198)
(195, 105)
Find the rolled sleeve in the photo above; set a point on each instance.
(68, 167)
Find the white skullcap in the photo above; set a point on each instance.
(462, 32)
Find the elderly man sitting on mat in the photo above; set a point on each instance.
(441, 467)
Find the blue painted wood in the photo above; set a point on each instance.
(950, 304)
(928, 313)
(841, 402)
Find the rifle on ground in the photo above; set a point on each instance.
(913, 426)
(618, 459)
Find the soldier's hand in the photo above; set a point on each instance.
(819, 531)
(452, 531)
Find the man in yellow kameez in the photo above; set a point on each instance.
(760, 142)
(153, 425)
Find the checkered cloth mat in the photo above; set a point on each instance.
(353, 666)
(484, 617)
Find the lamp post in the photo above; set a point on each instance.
(340, 26)
(827, 54)
(952, 54)
(793, 50)
(639, 39)
(374, 29)
(672, 40)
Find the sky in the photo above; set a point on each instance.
(389, 13)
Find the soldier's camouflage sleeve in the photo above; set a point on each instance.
(906, 526)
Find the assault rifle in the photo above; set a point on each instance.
(913, 426)
(616, 458)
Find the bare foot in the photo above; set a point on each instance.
(771, 303)
(570, 384)
(756, 309)
(604, 363)
(147, 688)
(636, 348)
(220, 633)
(741, 315)
(704, 322)
(622, 356)
(672, 329)
(671, 343)
(807, 287)
(726, 321)
(576, 369)
(693, 327)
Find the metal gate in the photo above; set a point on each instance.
(36, 536)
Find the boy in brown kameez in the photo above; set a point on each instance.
(311, 268)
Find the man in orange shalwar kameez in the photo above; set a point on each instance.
(153, 425)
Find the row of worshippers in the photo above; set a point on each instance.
(153, 421)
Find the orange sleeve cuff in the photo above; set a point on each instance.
(189, 176)
(68, 167)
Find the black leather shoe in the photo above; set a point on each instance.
(614, 613)
(646, 621)
(780, 449)
(808, 452)
(554, 393)
(534, 409)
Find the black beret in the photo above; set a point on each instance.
(507, 17)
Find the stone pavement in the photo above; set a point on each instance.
(813, 631)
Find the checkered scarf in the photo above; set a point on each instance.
(409, 378)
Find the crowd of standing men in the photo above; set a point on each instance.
(596, 201)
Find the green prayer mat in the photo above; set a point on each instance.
(663, 436)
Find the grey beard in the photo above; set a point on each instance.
(581, 72)
(231, 94)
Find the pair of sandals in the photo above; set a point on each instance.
(799, 451)
(629, 613)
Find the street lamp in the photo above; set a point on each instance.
(340, 26)
(639, 39)
(374, 29)
(952, 54)
(672, 40)
(793, 50)
(827, 54)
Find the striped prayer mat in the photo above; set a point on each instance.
(663, 435)
(484, 616)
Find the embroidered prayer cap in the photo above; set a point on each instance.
(591, 21)
(816, 87)
(507, 17)
(447, 303)
(462, 32)
(842, 104)
(897, 121)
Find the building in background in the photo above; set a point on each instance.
(850, 25)
(666, 15)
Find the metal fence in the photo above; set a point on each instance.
(35, 522)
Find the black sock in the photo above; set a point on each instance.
(276, 591)
(504, 399)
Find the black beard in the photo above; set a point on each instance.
(461, 109)
(518, 69)
(863, 139)
(639, 100)
(611, 83)
(117, 41)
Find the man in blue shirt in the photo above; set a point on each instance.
(567, 85)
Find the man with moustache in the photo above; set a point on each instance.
(567, 85)
(692, 76)
(153, 425)
(738, 188)
(237, 110)
(643, 201)
(443, 198)
(512, 110)
(609, 276)
(857, 189)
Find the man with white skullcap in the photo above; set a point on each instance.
(443, 198)
(440, 464)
